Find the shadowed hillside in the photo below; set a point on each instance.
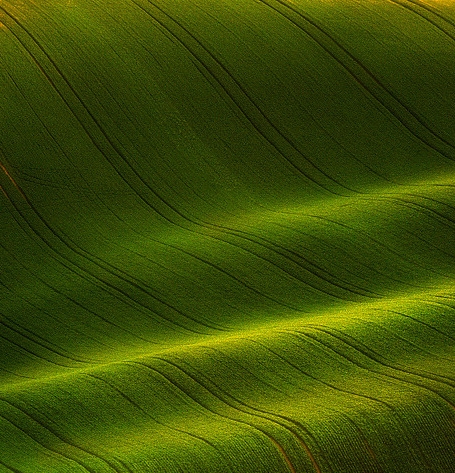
(227, 236)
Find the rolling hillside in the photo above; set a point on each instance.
(227, 236)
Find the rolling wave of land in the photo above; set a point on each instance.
(227, 236)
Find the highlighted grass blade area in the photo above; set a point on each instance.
(227, 236)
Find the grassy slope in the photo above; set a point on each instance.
(227, 236)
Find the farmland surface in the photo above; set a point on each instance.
(227, 236)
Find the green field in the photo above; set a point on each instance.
(227, 236)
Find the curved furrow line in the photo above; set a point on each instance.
(147, 257)
(247, 250)
(90, 118)
(296, 385)
(374, 466)
(165, 244)
(315, 270)
(137, 125)
(9, 468)
(351, 256)
(344, 285)
(442, 304)
(54, 140)
(287, 418)
(431, 327)
(427, 14)
(262, 413)
(227, 273)
(338, 412)
(46, 447)
(133, 281)
(122, 464)
(431, 199)
(56, 434)
(409, 342)
(439, 379)
(405, 107)
(376, 243)
(64, 260)
(414, 235)
(325, 383)
(234, 230)
(84, 308)
(62, 240)
(358, 290)
(378, 358)
(237, 232)
(233, 362)
(22, 376)
(367, 80)
(274, 246)
(99, 127)
(364, 349)
(226, 236)
(389, 406)
(415, 199)
(258, 120)
(438, 216)
(284, 455)
(265, 329)
(412, 204)
(170, 269)
(46, 182)
(338, 143)
(147, 46)
(146, 310)
(116, 289)
(258, 255)
(249, 425)
(221, 270)
(235, 407)
(426, 301)
(34, 355)
(46, 341)
(433, 10)
(320, 124)
(31, 338)
(267, 415)
(450, 297)
(139, 408)
(396, 378)
(438, 185)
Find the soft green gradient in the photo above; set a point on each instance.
(227, 236)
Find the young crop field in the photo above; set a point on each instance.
(227, 236)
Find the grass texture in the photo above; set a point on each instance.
(227, 236)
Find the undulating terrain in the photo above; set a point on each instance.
(227, 236)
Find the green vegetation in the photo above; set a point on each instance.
(227, 236)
